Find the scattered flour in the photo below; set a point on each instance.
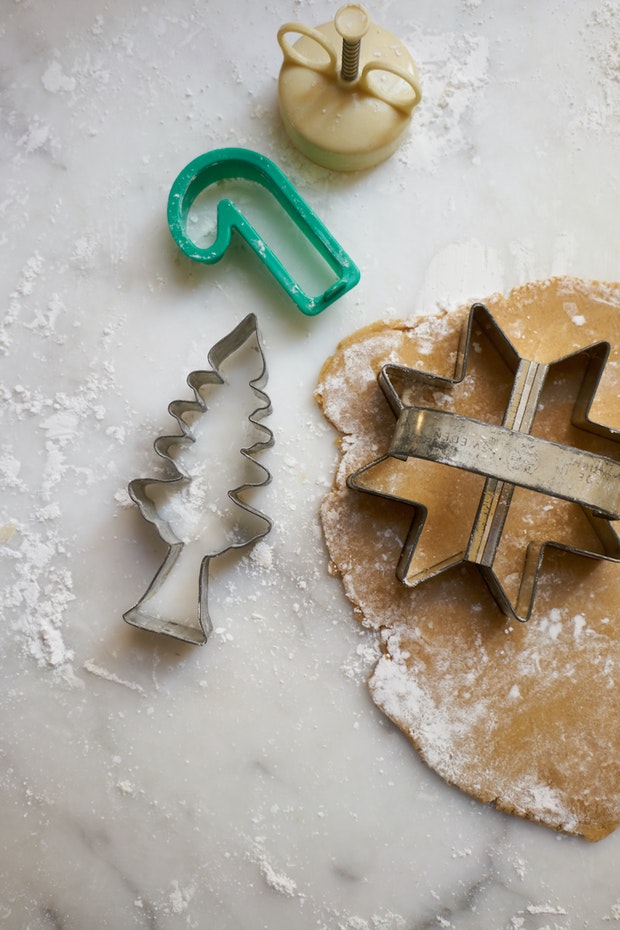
(106, 675)
(38, 594)
(275, 878)
(25, 285)
(600, 112)
(572, 312)
(398, 694)
(180, 897)
(455, 68)
(614, 913)
(262, 554)
(39, 456)
(38, 136)
(55, 80)
(544, 909)
(359, 665)
(127, 788)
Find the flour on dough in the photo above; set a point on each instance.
(523, 715)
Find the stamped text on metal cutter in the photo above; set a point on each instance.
(508, 456)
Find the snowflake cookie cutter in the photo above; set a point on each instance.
(238, 163)
(508, 457)
(195, 630)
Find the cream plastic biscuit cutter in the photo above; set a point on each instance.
(347, 90)
(508, 456)
(196, 631)
(238, 163)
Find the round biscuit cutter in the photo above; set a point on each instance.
(346, 90)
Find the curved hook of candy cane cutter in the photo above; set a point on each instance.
(239, 163)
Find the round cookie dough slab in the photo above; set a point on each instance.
(523, 715)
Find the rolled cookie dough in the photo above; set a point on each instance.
(523, 715)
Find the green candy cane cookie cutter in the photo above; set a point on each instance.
(238, 163)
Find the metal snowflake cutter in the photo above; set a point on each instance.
(509, 457)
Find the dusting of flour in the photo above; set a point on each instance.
(42, 468)
(464, 683)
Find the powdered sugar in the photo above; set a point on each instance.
(39, 594)
(276, 878)
(95, 669)
(600, 112)
(38, 590)
(435, 729)
(55, 80)
(455, 678)
(455, 68)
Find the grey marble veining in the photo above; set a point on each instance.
(252, 784)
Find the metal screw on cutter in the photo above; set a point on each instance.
(351, 22)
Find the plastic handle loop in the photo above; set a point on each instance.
(292, 55)
(295, 57)
(396, 101)
(235, 163)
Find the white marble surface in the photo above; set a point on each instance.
(252, 783)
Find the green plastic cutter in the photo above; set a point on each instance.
(235, 163)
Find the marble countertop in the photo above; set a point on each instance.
(252, 783)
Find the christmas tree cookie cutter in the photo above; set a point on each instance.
(238, 163)
(195, 630)
(508, 456)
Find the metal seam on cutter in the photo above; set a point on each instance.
(139, 615)
(239, 163)
(508, 457)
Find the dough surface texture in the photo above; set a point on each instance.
(522, 715)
